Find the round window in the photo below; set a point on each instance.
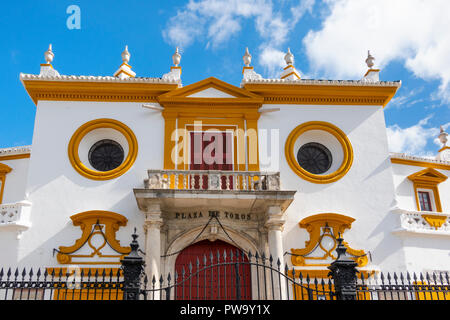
(106, 155)
(314, 158)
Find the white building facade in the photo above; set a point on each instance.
(274, 166)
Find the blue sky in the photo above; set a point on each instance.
(329, 39)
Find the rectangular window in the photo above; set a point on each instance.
(425, 201)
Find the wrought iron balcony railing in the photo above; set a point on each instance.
(212, 180)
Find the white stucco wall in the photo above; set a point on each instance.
(16, 180)
(423, 252)
(57, 191)
(365, 193)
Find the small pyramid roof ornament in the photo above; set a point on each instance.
(175, 71)
(444, 152)
(247, 72)
(372, 75)
(289, 72)
(124, 70)
(47, 68)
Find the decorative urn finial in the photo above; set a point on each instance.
(370, 60)
(126, 55)
(247, 58)
(48, 55)
(289, 57)
(443, 137)
(176, 58)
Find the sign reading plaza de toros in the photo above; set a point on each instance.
(212, 213)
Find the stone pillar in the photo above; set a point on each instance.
(152, 226)
(274, 223)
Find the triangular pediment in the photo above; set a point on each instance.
(428, 175)
(210, 88)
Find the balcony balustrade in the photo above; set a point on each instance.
(212, 180)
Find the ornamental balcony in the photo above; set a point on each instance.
(188, 191)
(423, 223)
(15, 217)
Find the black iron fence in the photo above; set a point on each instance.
(227, 275)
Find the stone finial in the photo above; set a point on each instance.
(49, 55)
(443, 137)
(176, 57)
(247, 58)
(370, 60)
(289, 57)
(124, 70)
(126, 55)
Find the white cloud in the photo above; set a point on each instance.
(412, 31)
(413, 140)
(216, 21)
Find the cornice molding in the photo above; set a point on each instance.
(328, 93)
(401, 158)
(15, 153)
(93, 90)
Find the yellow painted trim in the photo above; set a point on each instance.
(291, 73)
(95, 91)
(246, 68)
(420, 164)
(181, 110)
(4, 170)
(46, 65)
(313, 224)
(123, 71)
(86, 220)
(322, 94)
(96, 124)
(434, 220)
(337, 133)
(371, 70)
(444, 148)
(428, 179)
(15, 156)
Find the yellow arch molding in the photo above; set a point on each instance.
(87, 221)
(97, 124)
(337, 133)
(325, 225)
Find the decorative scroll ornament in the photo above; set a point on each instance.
(95, 225)
(320, 250)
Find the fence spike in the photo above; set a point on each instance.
(446, 278)
(104, 273)
(250, 255)
(96, 273)
(414, 277)
(161, 280)
(421, 277)
(218, 256)
(89, 274)
(362, 278)
(169, 277)
(225, 255)
(408, 277)
(153, 280)
(30, 274)
(395, 278)
(23, 273)
(8, 274)
(204, 259)
(286, 269)
(402, 279)
(427, 276)
(270, 260)
(1, 274)
(307, 278)
(190, 267)
(278, 263)
(388, 278)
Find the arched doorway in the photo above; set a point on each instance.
(205, 273)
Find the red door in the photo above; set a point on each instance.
(209, 154)
(215, 279)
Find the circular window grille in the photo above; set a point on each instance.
(314, 158)
(106, 155)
